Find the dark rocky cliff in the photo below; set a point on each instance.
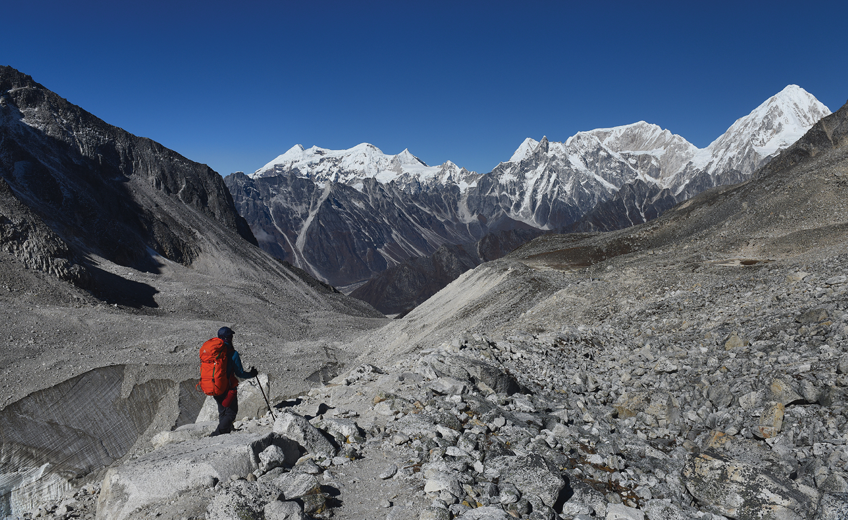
(96, 188)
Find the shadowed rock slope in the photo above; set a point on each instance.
(98, 186)
(400, 288)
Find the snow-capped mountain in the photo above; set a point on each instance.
(364, 161)
(367, 211)
(751, 141)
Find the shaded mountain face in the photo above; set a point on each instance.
(347, 215)
(72, 184)
(344, 235)
(402, 287)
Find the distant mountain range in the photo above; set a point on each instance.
(346, 216)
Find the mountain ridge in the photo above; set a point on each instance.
(596, 180)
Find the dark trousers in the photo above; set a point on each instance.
(226, 414)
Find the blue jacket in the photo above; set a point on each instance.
(234, 366)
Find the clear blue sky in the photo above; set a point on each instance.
(233, 84)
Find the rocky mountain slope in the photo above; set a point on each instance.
(118, 257)
(378, 210)
(692, 367)
(78, 174)
(402, 287)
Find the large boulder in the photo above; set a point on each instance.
(745, 491)
(163, 474)
(532, 475)
(487, 376)
(657, 403)
(298, 429)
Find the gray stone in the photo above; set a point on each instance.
(389, 472)
(522, 403)
(782, 391)
(434, 513)
(307, 465)
(734, 341)
(622, 512)
(663, 510)
(771, 421)
(720, 395)
(241, 500)
(842, 366)
(272, 457)
(447, 386)
(532, 475)
(833, 506)
(443, 481)
(752, 400)
(296, 485)
(834, 484)
(812, 316)
(656, 403)
(796, 276)
(298, 429)
(278, 510)
(347, 428)
(314, 502)
(485, 513)
(666, 366)
(508, 493)
(399, 513)
(493, 378)
(739, 490)
(186, 433)
(809, 391)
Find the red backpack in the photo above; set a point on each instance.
(213, 367)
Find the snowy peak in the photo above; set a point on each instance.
(775, 124)
(782, 119)
(407, 158)
(352, 165)
(524, 150)
(640, 137)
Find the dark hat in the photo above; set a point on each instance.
(225, 332)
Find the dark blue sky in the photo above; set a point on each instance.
(233, 85)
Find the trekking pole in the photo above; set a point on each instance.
(256, 377)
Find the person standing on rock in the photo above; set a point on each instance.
(228, 401)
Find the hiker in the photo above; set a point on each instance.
(228, 400)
